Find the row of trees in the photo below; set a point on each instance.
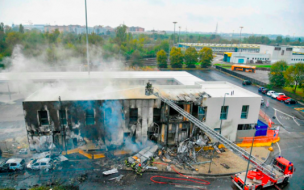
(283, 75)
(190, 58)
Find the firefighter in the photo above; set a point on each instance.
(139, 169)
(152, 161)
(127, 163)
(133, 166)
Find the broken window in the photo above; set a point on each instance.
(62, 117)
(43, 117)
(133, 114)
(244, 113)
(246, 126)
(156, 115)
(195, 110)
(224, 112)
(202, 113)
(90, 117)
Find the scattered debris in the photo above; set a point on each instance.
(151, 168)
(82, 178)
(225, 166)
(109, 172)
(118, 178)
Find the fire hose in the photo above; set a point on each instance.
(185, 178)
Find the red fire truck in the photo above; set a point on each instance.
(257, 179)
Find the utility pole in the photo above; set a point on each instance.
(179, 34)
(174, 32)
(232, 37)
(86, 17)
(241, 35)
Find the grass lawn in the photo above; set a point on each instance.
(299, 91)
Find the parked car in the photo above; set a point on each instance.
(270, 92)
(282, 98)
(260, 89)
(246, 82)
(265, 90)
(2, 163)
(275, 95)
(15, 164)
(42, 163)
(262, 102)
(23, 151)
(290, 101)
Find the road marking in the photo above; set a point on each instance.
(279, 148)
(294, 118)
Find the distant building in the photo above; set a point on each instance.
(267, 54)
(253, 48)
(39, 27)
(135, 29)
(77, 29)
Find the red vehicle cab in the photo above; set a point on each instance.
(257, 179)
(282, 98)
(284, 165)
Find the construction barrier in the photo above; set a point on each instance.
(259, 141)
(82, 152)
(266, 117)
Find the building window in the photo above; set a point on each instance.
(288, 49)
(246, 126)
(156, 115)
(224, 112)
(43, 117)
(282, 53)
(133, 114)
(62, 117)
(202, 113)
(90, 120)
(244, 113)
(277, 48)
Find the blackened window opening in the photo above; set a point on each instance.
(43, 117)
(133, 114)
(62, 117)
(90, 117)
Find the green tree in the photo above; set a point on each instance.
(161, 59)
(176, 58)
(13, 38)
(136, 59)
(190, 57)
(294, 75)
(276, 74)
(279, 39)
(21, 28)
(120, 34)
(95, 39)
(205, 57)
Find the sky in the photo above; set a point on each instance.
(284, 17)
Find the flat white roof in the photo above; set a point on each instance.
(182, 77)
(190, 86)
(14, 160)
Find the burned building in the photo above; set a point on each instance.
(117, 112)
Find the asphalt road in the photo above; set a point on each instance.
(291, 145)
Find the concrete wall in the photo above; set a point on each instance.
(284, 53)
(229, 126)
(297, 59)
(249, 57)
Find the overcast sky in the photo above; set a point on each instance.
(257, 16)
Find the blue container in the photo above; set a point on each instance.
(261, 129)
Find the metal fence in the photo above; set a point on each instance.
(240, 76)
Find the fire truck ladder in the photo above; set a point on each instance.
(213, 134)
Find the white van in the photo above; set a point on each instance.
(43, 163)
(15, 164)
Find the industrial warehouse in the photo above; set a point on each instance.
(253, 53)
(116, 110)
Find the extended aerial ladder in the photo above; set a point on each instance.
(211, 133)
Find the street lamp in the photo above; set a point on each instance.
(174, 32)
(179, 34)
(221, 112)
(241, 35)
(88, 62)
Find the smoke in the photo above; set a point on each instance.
(60, 59)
